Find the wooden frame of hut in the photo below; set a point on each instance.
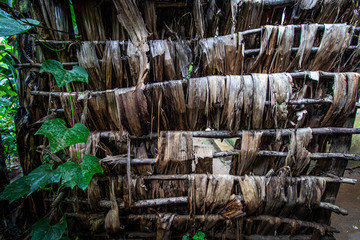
(279, 75)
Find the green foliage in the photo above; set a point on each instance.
(63, 76)
(198, 236)
(73, 174)
(9, 26)
(42, 230)
(60, 136)
(69, 174)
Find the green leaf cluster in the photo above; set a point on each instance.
(9, 26)
(63, 76)
(42, 230)
(60, 136)
(68, 174)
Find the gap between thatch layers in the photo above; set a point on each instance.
(218, 102)
(277, 51)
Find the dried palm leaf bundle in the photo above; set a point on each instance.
(339, 100)
(199, 21)
(253, 192)
(133, 60)
(93, 194)
(260, 91)
(307, 38)
(243, 163)
(66, 105)
(169, 67)
(248, 91)
(229, 43)
(330, 10)
(234, 104)
(197, 102)
(143, 170)
(133, 111)
(130, 18)
(183, 58)
(92, 144)
(280, 91)
(212, 54)
(89, 60)
(89, 20)
(107, 66)
(197, 194)
(203, 158)
(311, 191)
(291, 198)
(98, 111)
(157, 50)
(213, 195)
(298, 157)
(249, 14)
(212, 18)
(352, 97)
(112, 219)
(113, 115)
(275, 195)
(303, 8)
(335, 40)
(150, 18)
(163, 226)
(175, 153)
(285, 39)
(240, 54)
(56, 15)
(140, 189)
(233, 209)
(267, 48)
(216, 100)
(174, 104)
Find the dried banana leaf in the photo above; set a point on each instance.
(285, 39)
(242, 164)
(280, 91)
(88, 59)
(339, 100)
(175, 153)
(260, 91)
(333, 44)
(130, 18)
(197, 101)
(298, 157)
(216, 99)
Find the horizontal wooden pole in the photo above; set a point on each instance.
(180, 200)
(115, 160)
(327, 131)
(326, 75)
(236, 178)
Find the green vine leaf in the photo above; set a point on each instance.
(37, 179)
(63, 76)
(89, 167)
(10, 26)
(42, 230)
(60, 136)
(79, 174)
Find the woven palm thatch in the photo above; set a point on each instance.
(276, 74)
